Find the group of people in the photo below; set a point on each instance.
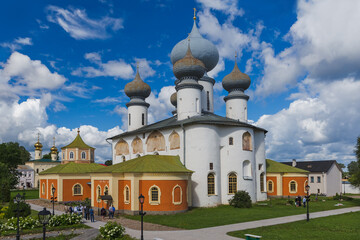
(86, 212)
(111, 212)
(298, 201)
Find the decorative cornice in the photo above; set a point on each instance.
(188, 85)
(137, 104)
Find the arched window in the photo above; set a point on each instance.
(246, 141)
(122, 148)
(155, 142)
(106, 190)
(174, 140)
(43, 188)
(270, 186)
(154, 195)
(293, 187)
(137, 145)
(177, 195)
(77, 189)
(262, 181)
(126, 194)
(71, 155)
(98, 190)
(83, 155)
(51, 192)
(232, 183)
(231, 141)
(211, 183)
(247, 170)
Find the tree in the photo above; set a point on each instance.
(352, 167)
(355, 177)
(342, 166)
(108, 162)
(11, 155)
(47, 156)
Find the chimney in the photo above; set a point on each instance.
(294, 162)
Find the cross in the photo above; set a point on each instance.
(54, 140)
(38, 136)
(194, 14)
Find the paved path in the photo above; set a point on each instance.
(216, 232)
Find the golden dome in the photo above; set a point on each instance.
(38, 145)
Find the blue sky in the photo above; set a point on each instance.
(64, 65)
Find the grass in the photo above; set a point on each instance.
(222, 215)
(40, 229)
(125, 237)
(29, 194)
(344, 226)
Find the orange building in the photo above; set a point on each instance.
(284, 180)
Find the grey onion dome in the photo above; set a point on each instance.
(173, 99)
(236, 80)
(137, 87)
(201, 48)
(189, 66)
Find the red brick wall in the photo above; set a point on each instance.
(122, 184)
(68, 189)
(274, 193)
(300, 186)
(102, 184)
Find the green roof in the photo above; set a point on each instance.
(148, 164)
(73, 168)
(276, 167)
(77, 143)
(44, 160)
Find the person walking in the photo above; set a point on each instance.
(111, 213)
(304, 201)
(91, 212)
(85, 212)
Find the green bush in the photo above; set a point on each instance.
(25, 209)
(112, 230)
(24, 223)
(345, 198)
(241, 199)
(65, 219)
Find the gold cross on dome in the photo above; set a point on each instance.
(194, 14)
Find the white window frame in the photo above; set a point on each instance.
(267, 186)
(71, 153)
(296, 186)
(81, 190)
(173, 195)
(126, 201)
(159, 196)
(83, 158)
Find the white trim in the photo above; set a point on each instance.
(272, 187)
(81, 190)
(83, 158)
(296, 186)
(159, 195)
(228, 180)
(71, 158)
(207, 185)
(126, 201)
(173, 195)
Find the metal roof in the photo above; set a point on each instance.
(205, 118)
(315, 166)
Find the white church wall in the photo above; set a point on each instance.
(207, 90)
(237, 109)
(259, 149)
(188, 102)
(333, 181)
(135, 119)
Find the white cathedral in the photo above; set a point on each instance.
(227, 154)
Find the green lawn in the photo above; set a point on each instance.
(60, 237)
(344, 226)
(29, 194)
(224, 214)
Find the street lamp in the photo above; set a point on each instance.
(44, 217)
(53, 198)
(142, 214)
(18, 199)
(307, 188)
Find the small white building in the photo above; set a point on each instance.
(325, 176)
(227, 154)
(26, 177)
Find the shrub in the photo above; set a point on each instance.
(65, 219)
(24, 223)
(112, 230)
(2, 212)
(241, 199)
(25, 209)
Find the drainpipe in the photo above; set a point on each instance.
(184, 148)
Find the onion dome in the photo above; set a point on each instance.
(137, 87)
(38, 145)
(206, 78)
(201, 48)
(53, 149)
(236, 80)
(189, 66)
(173, 99)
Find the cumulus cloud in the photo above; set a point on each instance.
(115, 68)
(29, 73)
(324, 46)
(77, 23)
(229, 7)
(318, 125)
